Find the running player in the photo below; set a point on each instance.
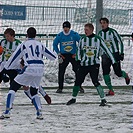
(88, 54)
(114, 43)
(32, 52)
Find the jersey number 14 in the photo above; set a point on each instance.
(36, 51)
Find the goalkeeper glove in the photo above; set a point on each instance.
(60, 58)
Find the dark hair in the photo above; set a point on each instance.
(31, 32)
(67, 24)
(89, 25)
(9, 31)
(104, 19)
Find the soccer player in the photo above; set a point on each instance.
(66, 40)
(41, 90)
(114, 43)
(88, 53)
(32, 52)
(9, 44)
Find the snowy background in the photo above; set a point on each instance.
(85, 116)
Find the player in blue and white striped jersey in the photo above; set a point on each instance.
(32, 52)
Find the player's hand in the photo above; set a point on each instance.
(121, 57)
(60, 58)
(74, 55)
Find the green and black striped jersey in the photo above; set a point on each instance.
(89, 49)
(112, 39)
(9, 48)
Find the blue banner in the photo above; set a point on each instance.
(12, 12)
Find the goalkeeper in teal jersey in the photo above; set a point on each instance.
(65, 46)
(115, 45)
(88, 53)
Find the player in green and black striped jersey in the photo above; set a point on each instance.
(88, 52)
(114, 43)
(9, 44)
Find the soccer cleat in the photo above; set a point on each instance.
(103, 102)
(4, 116)
(59, 91)
(39, 117)
(47, 98)
(81, 90)
(127, 79)
(71, 101)
(110, 93)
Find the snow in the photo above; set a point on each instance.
(49, 20)
(85, 116)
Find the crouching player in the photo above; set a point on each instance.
(88, 54)
(32, 52)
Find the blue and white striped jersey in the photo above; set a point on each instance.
(32, 52)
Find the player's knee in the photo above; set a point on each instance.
(33, 91)
(14, 86)
(75, 69)
(96, 84)
(78, 83)
(119, 74)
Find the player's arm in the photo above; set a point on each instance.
(78, 53)
(14, 58)
(55, 44)
(120, 41)
(104, 48)
(77, 36)
(49, 54)
(2, 46)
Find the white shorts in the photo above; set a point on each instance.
(30, 77)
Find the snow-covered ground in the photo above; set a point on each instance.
(83, 117)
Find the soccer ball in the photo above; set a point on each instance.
(1, 50)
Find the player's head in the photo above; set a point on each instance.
(9, 34)
(31, 32)
(104, 23)
(66, 26)
(88, 28)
